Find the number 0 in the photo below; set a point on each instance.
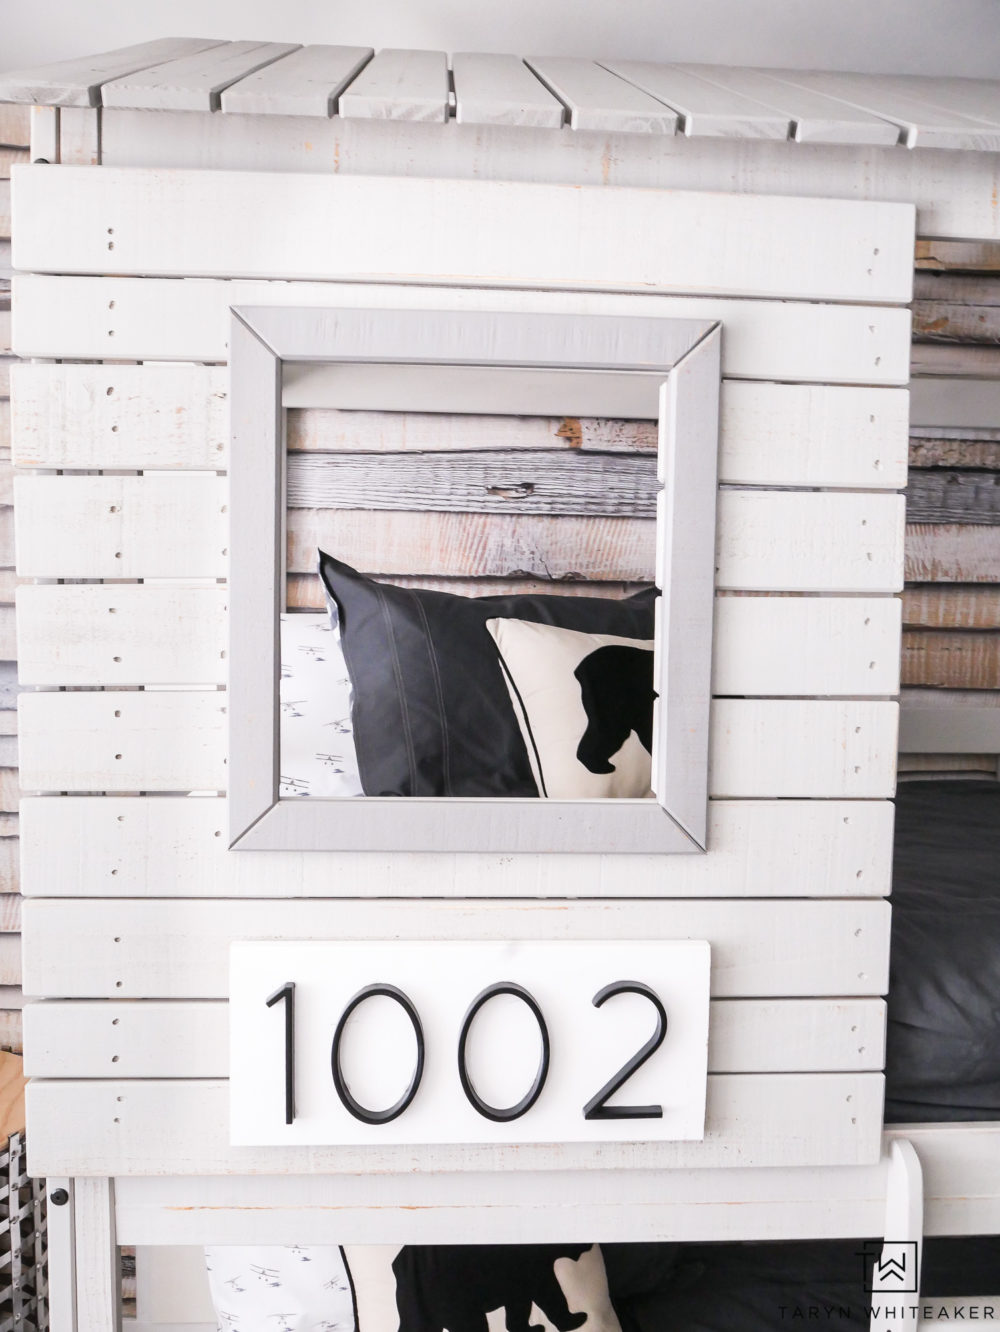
(526, 1102)
(358, 1110)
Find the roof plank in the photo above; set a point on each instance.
(502, 90)
(78, 82)
(400, 85)
(307, 82)
(194, 82)
(598, 99)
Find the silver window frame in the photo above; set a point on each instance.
(474, 361)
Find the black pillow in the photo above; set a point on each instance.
(432, 714)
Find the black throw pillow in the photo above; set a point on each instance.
(432, 714)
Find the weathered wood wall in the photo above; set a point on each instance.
(951, 603)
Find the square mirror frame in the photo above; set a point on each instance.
(460, 361)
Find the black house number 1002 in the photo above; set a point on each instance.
(595, 1108)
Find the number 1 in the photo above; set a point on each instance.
(287, 992)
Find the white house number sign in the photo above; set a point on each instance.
(468, 1042)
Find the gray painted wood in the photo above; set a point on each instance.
(78, 82)
(306, 82)
(501, 90)
(705, 108)
(530, 482)
(262, 338)
(400, 85)
(954, 497)
(195, 82)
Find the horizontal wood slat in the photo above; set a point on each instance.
(548, 481)
(953, 401)
(939, 451)
(706, 108)
(10, 959)
(175, 527)
(961, 1166)
(676, 241)
(15, 125)
(160, 319)
(963, 722)
(121, 634)
(92, 416)
(951, 659)
(122, 527)
(175, 847)
(155, 1127)
(163, 416)
(951, 553)
(953, 497)
(142, 635)
(176, 741)
(122, 741)
(167, 950)
(190, 1039)
(934, 606)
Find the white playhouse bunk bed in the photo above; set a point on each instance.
(508, 328)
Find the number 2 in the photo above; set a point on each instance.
(595, 1107)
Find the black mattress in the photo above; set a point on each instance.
(943, 1063)
(943, 1050)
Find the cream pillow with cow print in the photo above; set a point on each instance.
(584, 702)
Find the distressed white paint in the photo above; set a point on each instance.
(794, 749)
(306, 82)
(706, 108)
(598, 100)
(116, 634)
(806, 645)
(127, 741)
(159, 319)
(171, 949)
(78, 82)
(194, 82)
(98, 1276)
(400, 85)
(813, 117)
(926, 122)
(182, 1038)
(773, 541)
(501, 90)
(174, 847)
(952, 191)
(175, 741)
(961, 1193)
(190, 223)
(175, 416)
(152, 1127)
(119, 416)
(164, 526)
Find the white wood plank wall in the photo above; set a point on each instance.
(124, 711)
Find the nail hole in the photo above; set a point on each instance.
(121, 817)
(868, 619)
(114, 1059)
(111, 231)
(111, 305)
(871, 665)
(111, 332)
(115, 1021)
(857, 934)
(111, 245)
(116, 659)
(113, 873)
(114, 430)
(113, 508)
(860, 874)
(857, 730)
(118, 554)
(112, 610)
(118, 938)
(109, 390)
(118, 756)
(218, 832)
(118, 985)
